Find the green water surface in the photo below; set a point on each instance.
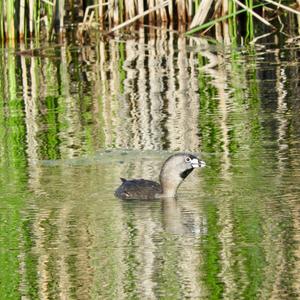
(75, 119)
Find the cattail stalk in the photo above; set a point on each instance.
(1, 20)
(190, 10)
(31, 20)
(22, 20)
(186, 12)
(157, 13)
(61, 17)
(171, 12)
(10, 30)
(181, 8)
(163, 15)
(151, 4)
(116, 14)
(141, 10)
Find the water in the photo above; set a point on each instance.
(75, 119)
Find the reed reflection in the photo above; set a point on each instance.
(88, 243)
(163, 230)
(143, 96)
(214, 68)
(233, 232)
(232, 261)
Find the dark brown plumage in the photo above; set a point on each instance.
(175, 169)
(138, 189)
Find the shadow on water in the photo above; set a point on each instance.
(74, 121)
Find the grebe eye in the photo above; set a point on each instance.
(187, 159)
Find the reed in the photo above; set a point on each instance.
(215, 21)
(192, 16)
(22, 20)
(10, 26)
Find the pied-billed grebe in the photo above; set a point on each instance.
(175, 169)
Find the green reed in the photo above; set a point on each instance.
(1, 20)
(23, 19)
(10, 27)
(250, 25)
(232, 22)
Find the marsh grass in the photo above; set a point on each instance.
(50, 19)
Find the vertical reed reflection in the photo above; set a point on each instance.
(284, 121)
(143, 96)
(277, 268)
(141, 101)
(154, 230)
(232, 233)
(188, 101)
(31, 111)
(235, 258)
(70, 117)
(143, 91)
(215, 68)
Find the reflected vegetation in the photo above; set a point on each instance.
(74, 119)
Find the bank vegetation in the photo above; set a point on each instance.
(53, 19)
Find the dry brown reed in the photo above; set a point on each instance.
(111, 15)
